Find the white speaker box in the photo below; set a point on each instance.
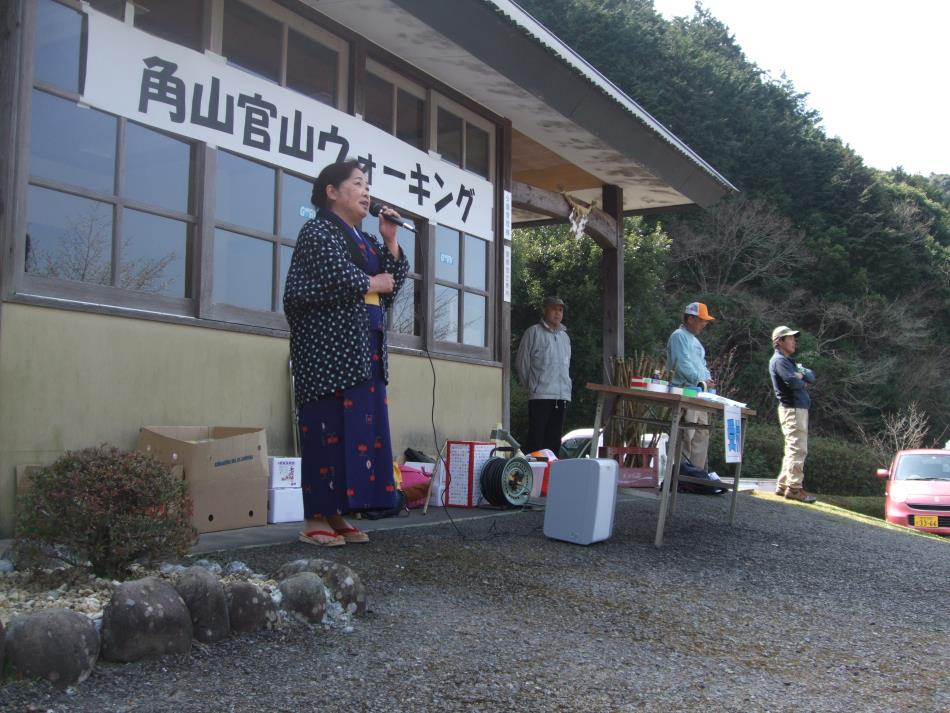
(582, 494)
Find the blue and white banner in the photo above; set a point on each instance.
(200, 96)
(732, 428)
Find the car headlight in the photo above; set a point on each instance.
(898, 497)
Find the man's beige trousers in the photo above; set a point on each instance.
(696, 440)
(794, 422)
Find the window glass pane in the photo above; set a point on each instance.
(311, 68)
(242, 270)
(252, 40)
(445, 314)
(450, 137)
(295, 206)
(286, 253)
(402, 316)
(245, 193)
(68, 237)
(473, 331)
(476, 150)
(476, 251)
(378, 104)
(115, 8)
(157, 168)
(56, 51)
(407, 241)
(178, 21)
(405, 238)
(410, 110)
(154, 254)
(446, 254)
(72, 145)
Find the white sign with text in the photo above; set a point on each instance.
(200, 96)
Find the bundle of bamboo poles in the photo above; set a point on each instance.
(622, 430)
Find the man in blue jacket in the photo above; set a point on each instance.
(788, 381)
(686, 360)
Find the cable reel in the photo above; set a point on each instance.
(507, 481)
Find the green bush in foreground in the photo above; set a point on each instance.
(833, 466)
(106, 507)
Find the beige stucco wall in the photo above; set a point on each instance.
(71, 379)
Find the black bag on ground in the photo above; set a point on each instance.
(414, 456)
(394, 511)
(692, 471)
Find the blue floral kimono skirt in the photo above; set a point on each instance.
(344, 438)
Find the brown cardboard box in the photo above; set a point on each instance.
(225, 468)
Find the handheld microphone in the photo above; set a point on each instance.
(376, 210)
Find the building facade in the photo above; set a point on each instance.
(158, 159)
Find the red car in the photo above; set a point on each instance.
(918, 490)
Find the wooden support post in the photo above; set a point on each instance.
(612, 280)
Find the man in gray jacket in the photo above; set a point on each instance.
(543, 365)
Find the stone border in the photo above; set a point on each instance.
(155, 616)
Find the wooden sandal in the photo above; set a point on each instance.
(332, 539)
(352, 535)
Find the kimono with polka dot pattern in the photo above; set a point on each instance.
(323, 302)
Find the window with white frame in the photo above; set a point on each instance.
(462, 137)
(394, 104)
(108, 201)
(461, 295)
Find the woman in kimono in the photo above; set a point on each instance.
(339, 284)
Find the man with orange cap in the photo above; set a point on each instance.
(686, 360)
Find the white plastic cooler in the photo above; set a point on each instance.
(582, 494)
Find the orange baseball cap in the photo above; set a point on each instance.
(698, 309)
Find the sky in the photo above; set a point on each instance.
(876, 70)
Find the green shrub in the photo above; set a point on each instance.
(833, 466)
(106, 507)
(840, 467)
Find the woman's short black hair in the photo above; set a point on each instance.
(333, 175)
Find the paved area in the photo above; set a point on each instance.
(795, 608)
(282, 533)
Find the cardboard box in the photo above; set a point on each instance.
(284, 472)
(284, 505)
(225, 468)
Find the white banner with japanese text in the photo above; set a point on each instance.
(732, 428)
(200, 96)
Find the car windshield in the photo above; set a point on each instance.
(924, 466)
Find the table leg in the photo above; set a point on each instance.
(593, 451)
(668, 475)
(675, 485)
(735, 489)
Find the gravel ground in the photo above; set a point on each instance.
(792, 610)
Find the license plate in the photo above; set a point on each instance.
(925, 521)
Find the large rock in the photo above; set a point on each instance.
(207, 603)
(304, 596)
(143, 618)
(250, 609)
(59, 645)
(3, 641)
(342, 583)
